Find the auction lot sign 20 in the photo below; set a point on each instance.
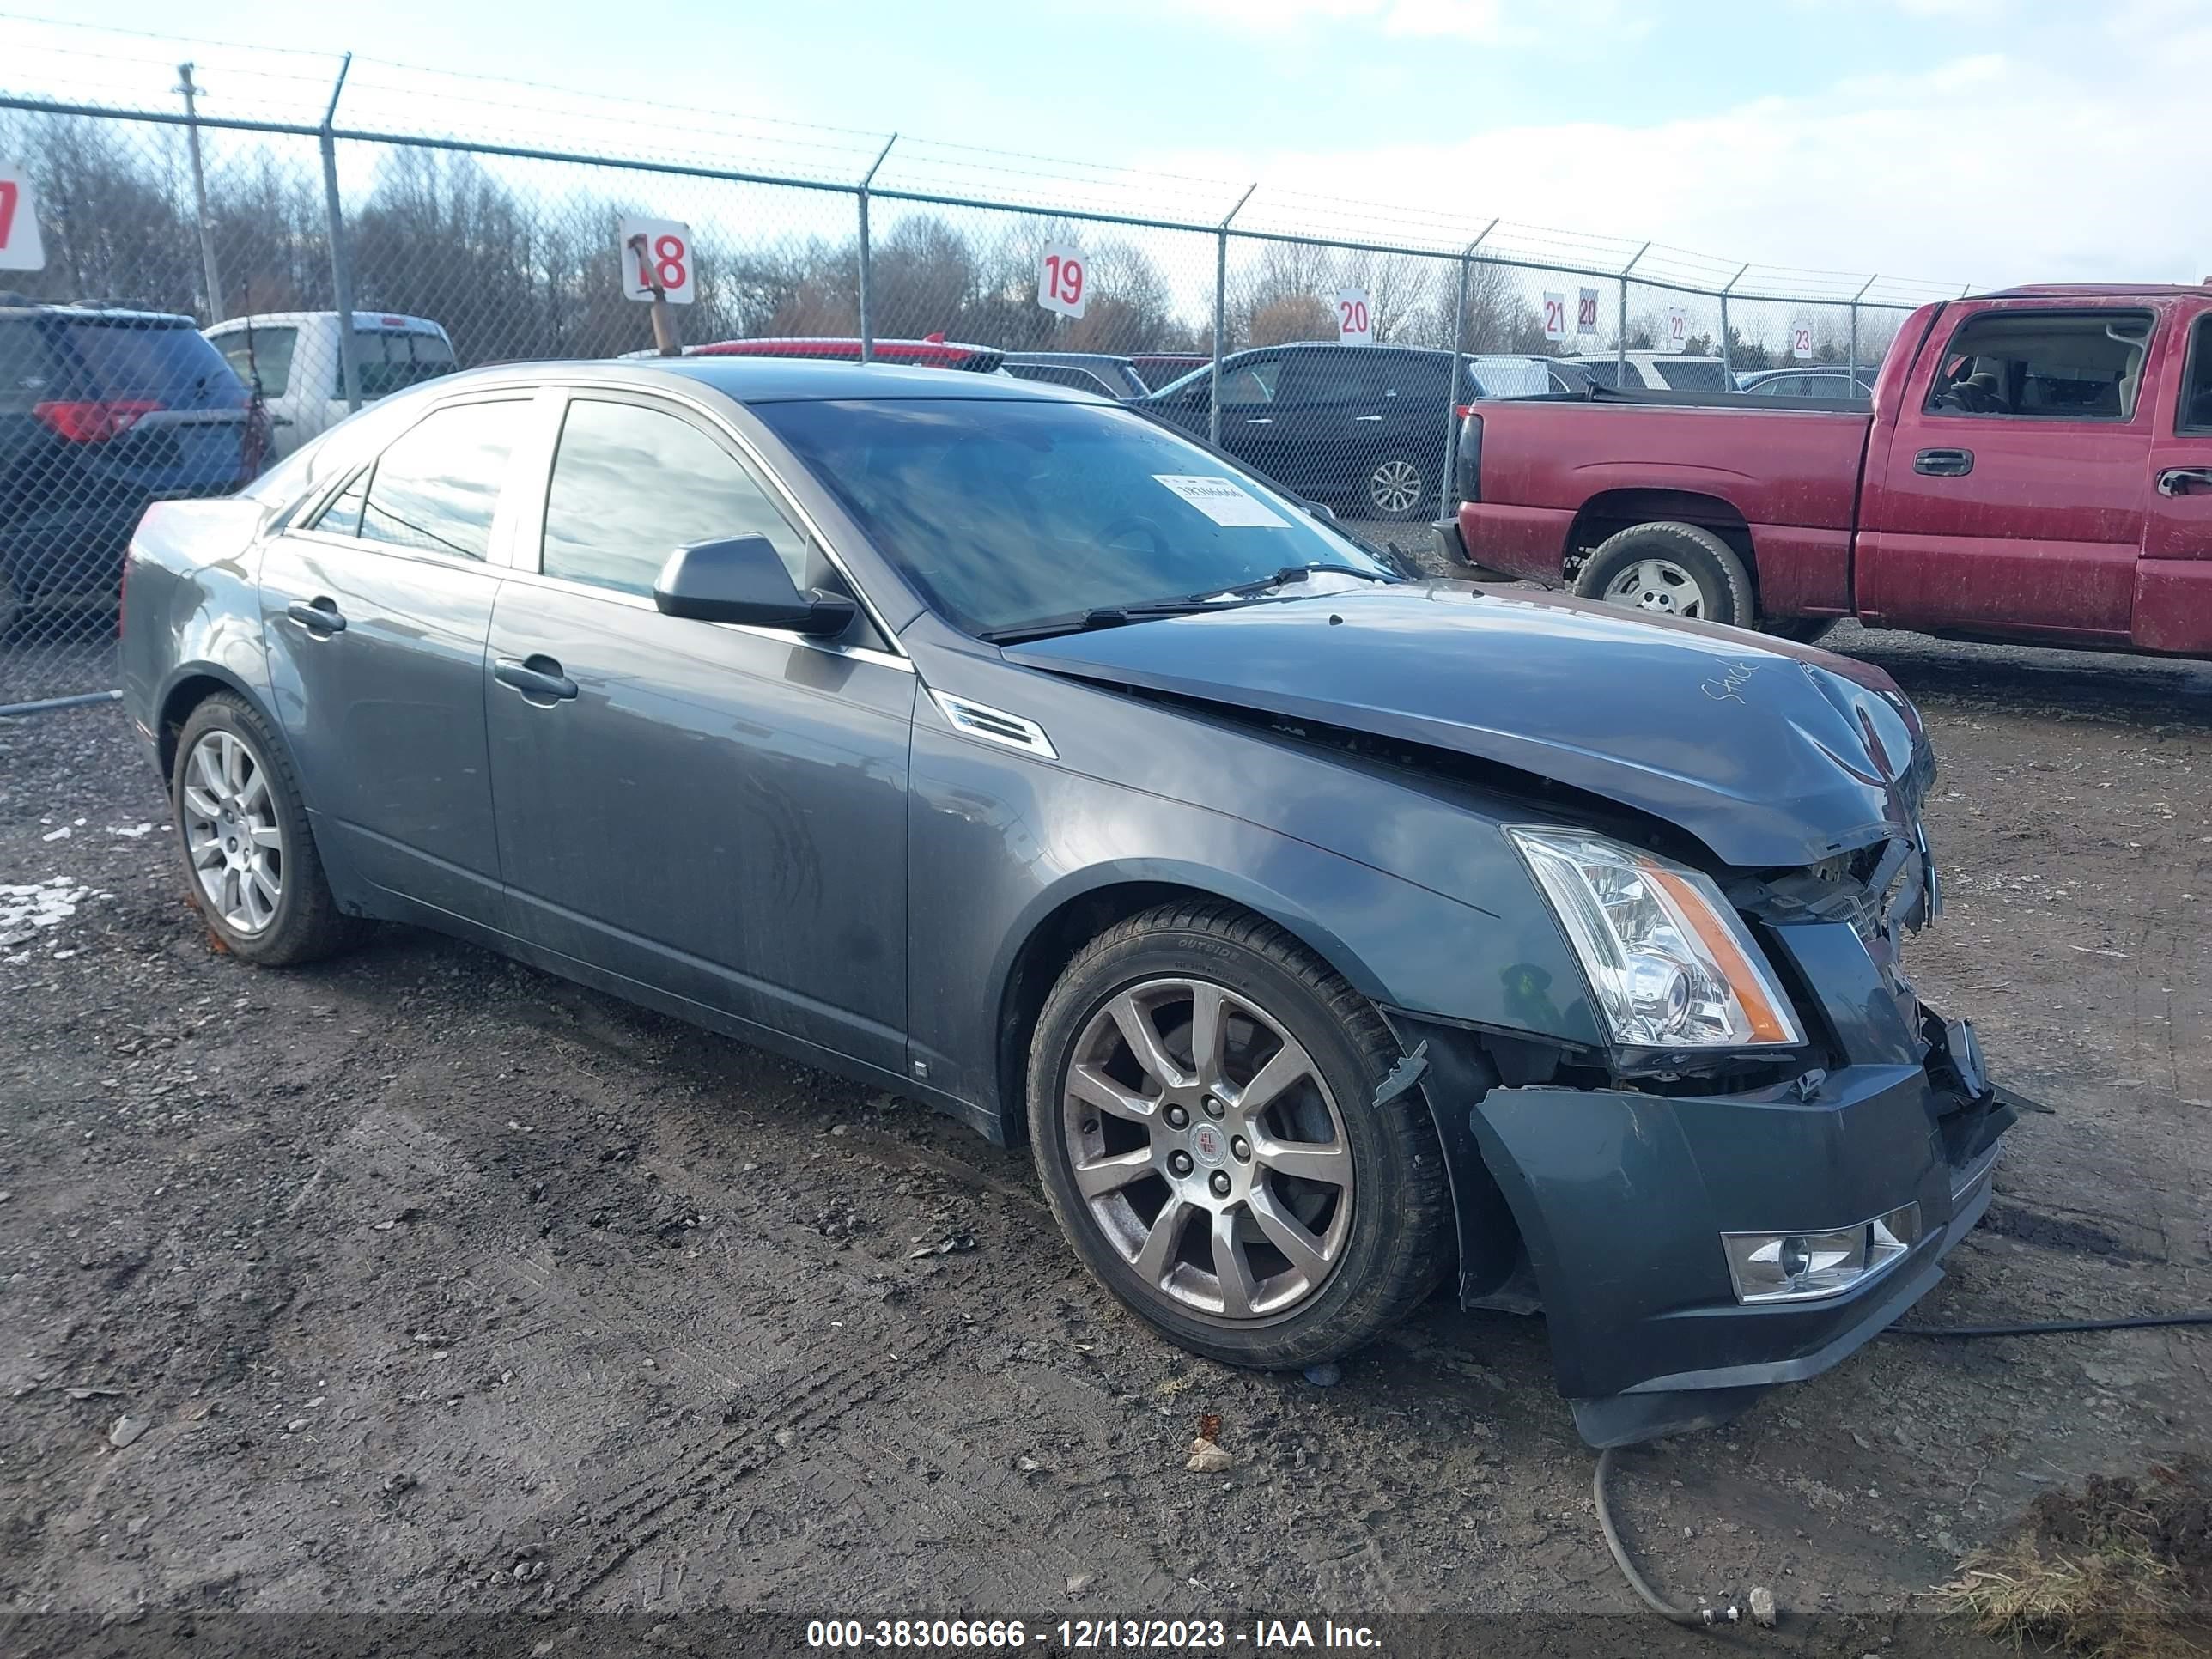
(20, 247)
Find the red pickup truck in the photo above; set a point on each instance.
(2034, 466)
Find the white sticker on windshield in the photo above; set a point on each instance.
(1224, 500)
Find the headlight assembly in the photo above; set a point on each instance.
(1668, 958)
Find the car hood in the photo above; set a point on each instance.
(1769, 754)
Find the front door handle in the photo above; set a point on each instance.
(538, 678)
(1367, 418)
(1259, 420)
(321, 617)
(1944, 462)
(2184, 480)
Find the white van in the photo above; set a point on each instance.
(294, 356)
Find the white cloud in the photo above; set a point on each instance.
(1489, 22)
(1987, 167)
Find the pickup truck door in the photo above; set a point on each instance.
(2173, 583)
(2012, 499)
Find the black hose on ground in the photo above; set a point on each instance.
(1697, 1618)
(2057, 1327)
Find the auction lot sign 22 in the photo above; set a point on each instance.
(20, 247)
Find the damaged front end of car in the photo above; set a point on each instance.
(1701, 1221)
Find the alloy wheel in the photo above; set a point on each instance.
(1659, 585)
(231, 833)
(1394, 486)
(1208, 1150)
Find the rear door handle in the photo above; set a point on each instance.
(1944, 462)
(321, 617)
(2184, 480)
(538, 678)
(1259, 420)
(1367, 418)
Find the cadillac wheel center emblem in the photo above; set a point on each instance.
(1208, 1145)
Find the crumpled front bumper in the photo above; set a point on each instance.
(1620, 1198)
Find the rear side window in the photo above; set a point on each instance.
(435, 488)
(28, 373)
(265, 354)
(1691, 376)
(2046, 365)
(1313, 377)
(631, 485)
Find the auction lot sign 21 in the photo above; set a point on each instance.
(20, 247)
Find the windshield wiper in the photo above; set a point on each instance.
(1114, 615)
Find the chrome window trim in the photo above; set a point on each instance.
(971, 718)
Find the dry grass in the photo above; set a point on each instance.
(2121, 1569)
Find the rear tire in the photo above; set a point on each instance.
(1396, 488)
(251, 867)
(1671, 570)
(1256, 1207)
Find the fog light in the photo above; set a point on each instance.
(1804, 1267)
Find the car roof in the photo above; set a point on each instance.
(361, 319)
(2097, 291)
(21, 306)
(747, 379)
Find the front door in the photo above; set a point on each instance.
(2173, 584)
(374, 615)
(717, 812)
(2012, 500)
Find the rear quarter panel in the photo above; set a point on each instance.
(1792, 475)
(191, 607)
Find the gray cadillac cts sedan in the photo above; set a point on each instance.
(1328, 934)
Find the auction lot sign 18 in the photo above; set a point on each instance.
(20, 247)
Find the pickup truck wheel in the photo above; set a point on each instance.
(1670, 570)
(249, 855)
(1201, 1103)
(1397, 489)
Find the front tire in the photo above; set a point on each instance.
(249, 858)
(1670, 570)
(1200, 1105)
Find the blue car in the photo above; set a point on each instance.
(1329, 936)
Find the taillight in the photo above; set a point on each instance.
(1463, 411)
(94, 422)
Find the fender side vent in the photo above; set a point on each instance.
(993, 725)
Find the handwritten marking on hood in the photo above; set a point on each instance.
(1728, 686)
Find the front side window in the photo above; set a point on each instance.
(1006, 515)
(631, 485)
(435, 488)
(2195, 414)
(1333, 377)
(1249, 384)
(264, 354)
(2049, 365)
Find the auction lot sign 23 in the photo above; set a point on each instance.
(20, 247)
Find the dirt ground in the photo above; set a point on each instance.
(427, 1283)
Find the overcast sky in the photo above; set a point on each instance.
(1981, 141)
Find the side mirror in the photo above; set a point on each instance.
(743, 580)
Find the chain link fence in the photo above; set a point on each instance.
(207, 214)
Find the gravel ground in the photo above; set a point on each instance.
(427, 1283)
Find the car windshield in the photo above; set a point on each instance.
(1016, 514)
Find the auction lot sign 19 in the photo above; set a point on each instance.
(20, 247)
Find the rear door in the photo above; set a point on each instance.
(714, 811)
(2012, 499)
(374, 612)
(2173, 583)
(1328, 416)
